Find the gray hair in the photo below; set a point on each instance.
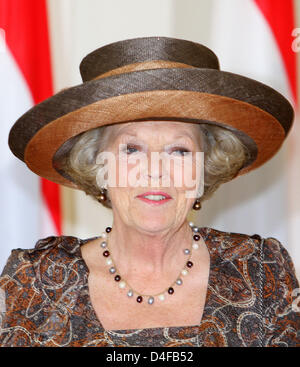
(224, 156)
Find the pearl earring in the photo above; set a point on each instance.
(102, 197)
(197, 205)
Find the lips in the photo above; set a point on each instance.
(154, 202)
(155, 193)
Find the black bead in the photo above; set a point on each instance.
(196, 237)
(197, 205)
(171, 290)
(256, 236)
(106, 253)
(117, 278)
(102, 197)
(189, 264)
(139, 299)
(108, 229)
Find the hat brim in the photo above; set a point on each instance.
(260, 115)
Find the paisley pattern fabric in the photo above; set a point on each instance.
(251, 298)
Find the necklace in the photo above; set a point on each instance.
(150, 298)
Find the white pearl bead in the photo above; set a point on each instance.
(184, 272)
(179, 281)
(150, 300)
(104, 235)
(112, 270)
(191, 224)
(122, 284)
(108, 261)
(195, 246)
(161, 297)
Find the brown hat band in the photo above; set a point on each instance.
(145, 65)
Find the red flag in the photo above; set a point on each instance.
(26, 33)
(280, 16)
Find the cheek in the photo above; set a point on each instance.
(127, 171)
(184, 173)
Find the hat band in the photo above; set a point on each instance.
(144, 65)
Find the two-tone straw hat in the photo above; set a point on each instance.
(152, 78)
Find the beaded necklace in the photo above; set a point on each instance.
(150, 298)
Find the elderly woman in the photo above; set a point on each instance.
(152, 278)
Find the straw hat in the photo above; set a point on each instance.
(152, 78)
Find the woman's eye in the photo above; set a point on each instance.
(130, 149)
(182, 151)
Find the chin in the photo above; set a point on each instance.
(153, 223)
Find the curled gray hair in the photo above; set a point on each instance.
(224, 156)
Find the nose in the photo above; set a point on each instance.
(157, 169)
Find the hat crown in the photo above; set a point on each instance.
(146, 53)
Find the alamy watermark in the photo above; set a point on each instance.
(3, 45)
(133, 170)
(296, 301)
(2, 301)
(296, 41)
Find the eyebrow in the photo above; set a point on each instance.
(175, 137)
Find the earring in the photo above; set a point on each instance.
(197, 205)
(102, 197)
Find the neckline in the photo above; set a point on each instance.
(204, 234)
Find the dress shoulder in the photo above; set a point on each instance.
(51, 246)
(280, 295)
(32, 283)
(255, 278)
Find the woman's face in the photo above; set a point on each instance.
(154, 156)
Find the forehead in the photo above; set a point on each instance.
(170, 128)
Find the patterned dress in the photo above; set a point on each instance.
(251, 298)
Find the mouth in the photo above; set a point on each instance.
(155, 198)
